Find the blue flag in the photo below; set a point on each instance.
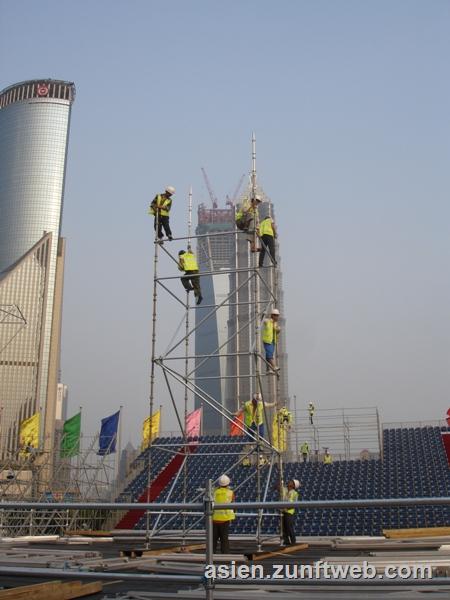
(108, 434)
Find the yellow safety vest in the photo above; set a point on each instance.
(327, 459)
(265, 227)
(304, 449)
(269, 332)
(164, 205)
(311, 410)
(223, 495)
(189, 262)
(291, 496)
(253, 417)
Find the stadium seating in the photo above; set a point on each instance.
(414, 464)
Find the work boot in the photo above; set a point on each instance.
(170, 238)
(199, 299)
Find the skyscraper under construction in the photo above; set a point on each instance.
(229, 375)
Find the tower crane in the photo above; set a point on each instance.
(232, 201)
(213, 197)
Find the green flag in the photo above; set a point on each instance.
(70, 443)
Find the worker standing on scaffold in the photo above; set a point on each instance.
(246, 220)
(270, 333)
(268, 233)
(254, 415)
(191, 280)
(311, 411)
(160, 208)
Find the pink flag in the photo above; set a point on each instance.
(193, 421)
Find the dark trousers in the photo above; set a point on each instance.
(267, 244)
(288, 528)
(305, 457)
(220, 532)
(162, 222)
(191, 281)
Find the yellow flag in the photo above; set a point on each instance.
(150, 428)
(29, 433)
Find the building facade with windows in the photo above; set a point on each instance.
(34, 132)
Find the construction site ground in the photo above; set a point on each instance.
(128, 556)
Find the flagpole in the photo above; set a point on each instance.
(119, 444)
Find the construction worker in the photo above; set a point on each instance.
(290, 494)
(254, 414)
(221, 518)
(282, 423)
(191, 280)
(327, 458)
(245, 220)
(160, 208)
(304, 451)
(311, 411)
(270, 333)
(267, 233)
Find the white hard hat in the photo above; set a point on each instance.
(275, 311)
(296, 483)
(257, 397)
(170, 189)
(224, 480)
(258, 198)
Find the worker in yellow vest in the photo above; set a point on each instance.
(246, 218)
(254, 414)
(327, 458)
(311, 411)
(289, 494)
(304, 451)
(222, 518)
(267, 233)
(160, 209)
(270, 333)
(191, 280)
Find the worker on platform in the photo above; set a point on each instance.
(222, 517)
(270, 333)
(282, 423)
(289, 494)
(267, 233)
(311, 411)
(246, 218)
(327, 458)
(304, 451)
(254, 415)
(191, 279)
(160, 208)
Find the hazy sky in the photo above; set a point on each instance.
(350, 104)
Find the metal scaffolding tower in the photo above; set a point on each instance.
(248, 294)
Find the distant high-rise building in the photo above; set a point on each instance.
(214, 253)
(34, 128)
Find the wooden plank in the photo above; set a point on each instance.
(279, 551)
(418, 532)
(24, 589)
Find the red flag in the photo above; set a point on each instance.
(193, 421)
(448, 417)
(446, 441)
(238, 424)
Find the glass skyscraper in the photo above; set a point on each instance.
(34, 128)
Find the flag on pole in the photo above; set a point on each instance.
(108, 434)
(237, 426)
(29, 433)
(150, 428)
(70, 442)
(193, 421)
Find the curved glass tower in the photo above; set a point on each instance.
(34, 128)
